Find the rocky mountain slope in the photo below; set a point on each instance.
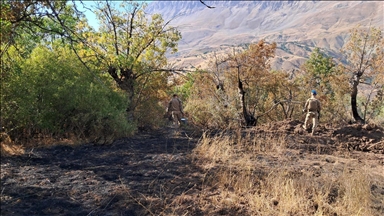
(297, 26)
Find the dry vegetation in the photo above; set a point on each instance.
(70, 146)
(264, 175)
(7, 146)
(271, 169)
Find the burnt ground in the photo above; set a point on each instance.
(143, 174)
(99, 180)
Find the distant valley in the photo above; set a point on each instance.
(296, 26)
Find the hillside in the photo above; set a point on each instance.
(297, 26)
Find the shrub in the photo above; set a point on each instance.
(52, 94)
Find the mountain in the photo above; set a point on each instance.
(296, 26)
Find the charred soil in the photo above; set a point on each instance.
(148, 173)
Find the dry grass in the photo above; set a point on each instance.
(8, 147)
(254, 174)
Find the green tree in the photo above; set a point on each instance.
(319, 67)
(37, 20)
(207, 105)
(129, 46)
(320, 73)
(133, 56)
(40, 97)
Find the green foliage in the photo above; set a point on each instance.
(132, 55)
(149, 111)
(321, 73)
(207, 107)
(127, 38)
(25, 23)
(319, 64)
(131, 46)
(52, 93)
(184, 90)
(150, 114)
(5, 23)
(46, 88)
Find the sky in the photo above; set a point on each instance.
(90, 15)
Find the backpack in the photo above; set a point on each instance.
(312, 104)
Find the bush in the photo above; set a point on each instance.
(52, 94)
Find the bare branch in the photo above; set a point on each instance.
(210, 7)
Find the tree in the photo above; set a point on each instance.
(239, 89)
(40, 97)
(37, 19)
(364, 58)
(133, 56)
(373, 103)
(283, 93)
(129, 46)
(320, 73)
(250, 69)
(318, 68)
(247, 72)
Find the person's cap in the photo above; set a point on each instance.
(314, 92)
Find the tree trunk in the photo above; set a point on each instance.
(355, 114)
(250, 120)
(126, 81)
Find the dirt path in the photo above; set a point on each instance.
(100, 180)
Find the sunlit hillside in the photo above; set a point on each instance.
(297, 26)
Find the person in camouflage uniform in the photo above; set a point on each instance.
(175, 109)
(312, 107)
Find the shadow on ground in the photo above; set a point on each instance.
(153, 173)
(119, 179)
